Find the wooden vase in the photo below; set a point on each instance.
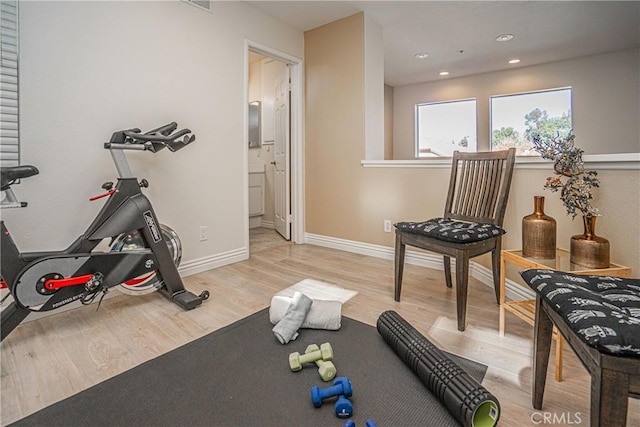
(587, 249)
(538, 232)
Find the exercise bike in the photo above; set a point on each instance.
(143, 255)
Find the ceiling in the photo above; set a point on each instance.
(460, 36)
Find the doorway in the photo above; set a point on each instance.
(274, 82)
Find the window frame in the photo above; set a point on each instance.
(531, 92)
(417, 124)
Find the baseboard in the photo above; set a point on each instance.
(424, 259)
(255, 222)
(213, 261)
(268, 224)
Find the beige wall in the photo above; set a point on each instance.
(373, 77)
(334, 124)
(618, 199)
(388, 122)
(606, 100)
(347, 201)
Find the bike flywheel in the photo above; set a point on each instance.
(134, 241)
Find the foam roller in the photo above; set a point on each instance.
(469, 402)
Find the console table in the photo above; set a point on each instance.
(525, 309)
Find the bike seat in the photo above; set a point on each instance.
(9, 174)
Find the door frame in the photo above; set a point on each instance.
(296, 154)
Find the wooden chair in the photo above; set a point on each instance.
(600, 319)
(472, 223)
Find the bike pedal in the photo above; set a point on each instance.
(187, 300)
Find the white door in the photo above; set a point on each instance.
(281, 161)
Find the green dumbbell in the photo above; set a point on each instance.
(296, 360)
(326, 369)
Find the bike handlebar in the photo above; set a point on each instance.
(166, 129)
(153, 140)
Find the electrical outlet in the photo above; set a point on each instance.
(203, 233)
(387, 226)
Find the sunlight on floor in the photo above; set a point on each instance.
(477, 343)
(315, 289)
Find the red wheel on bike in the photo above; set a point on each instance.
(134, 241)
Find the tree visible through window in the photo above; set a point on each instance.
(515, 119)
(444, 127)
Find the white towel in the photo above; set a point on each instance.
(287, 328)
(324, 314)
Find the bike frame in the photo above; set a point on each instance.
(48, 280)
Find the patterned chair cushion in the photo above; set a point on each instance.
(452, 231)
(603, 311)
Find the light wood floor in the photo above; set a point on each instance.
(47, 360)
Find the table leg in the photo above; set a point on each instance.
(503, 277)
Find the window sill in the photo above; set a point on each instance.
(626, 161)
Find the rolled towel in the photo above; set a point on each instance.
(324, 314)
(287, 328)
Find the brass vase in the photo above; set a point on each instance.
(538, 232)
(589, 250)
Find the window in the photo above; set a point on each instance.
(443, 127)
(516, 118)
(9, 141)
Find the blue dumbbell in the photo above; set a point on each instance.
(351, 423)
(344, 408)
(341, 386)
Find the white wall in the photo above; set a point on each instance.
(90, 68)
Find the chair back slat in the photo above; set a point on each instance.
(479, 186)
(465, 187)
(477, 180)
(492, 182)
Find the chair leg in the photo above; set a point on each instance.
(542, 332)
(447, 271)
(399, 265)
(609, 401)
(462, 283)
(495, 266)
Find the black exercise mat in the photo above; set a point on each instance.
(240, 376)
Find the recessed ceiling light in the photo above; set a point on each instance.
(514, 61)
(421, 55)
(504, 38)
(444, 73)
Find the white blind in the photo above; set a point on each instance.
(9, 133)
